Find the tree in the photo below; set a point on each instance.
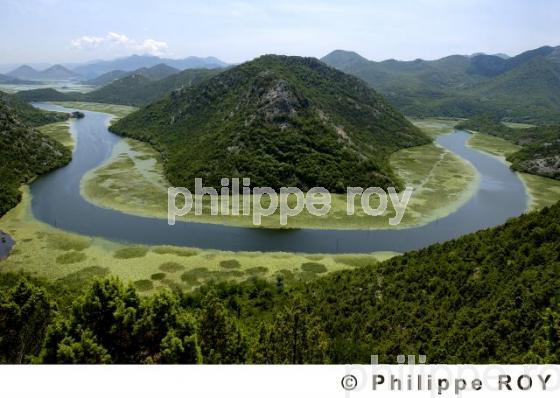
(175, 350)
(86, 350)
(110, 311)
(166, 332)
(221, 339)
(293, 337)
(25, 312)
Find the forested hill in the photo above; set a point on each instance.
(540, 152)
(28, 114)
(525, 87)
(137, 88)
(281, 121)
(24, 152)
(489, 297)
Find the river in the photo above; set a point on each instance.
(58, 202)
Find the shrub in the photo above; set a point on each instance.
(316, 268)
(131, 252)
(158, 276)
(71, 258)
(171, 267)
(230, 264)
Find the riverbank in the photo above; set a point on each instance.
(117, 111)
(74, 259)
(542, 191)
(132, 181)
(60, 132)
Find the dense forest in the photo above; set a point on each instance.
(142, 88)
(489, 297)
(540, 146)
(28, 114)
(280, 121)
(24, 152)
(524, 88)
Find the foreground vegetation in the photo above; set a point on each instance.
(451, 302)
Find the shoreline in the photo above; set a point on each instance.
(133, 150)
(532, 182)
(124, 162)
(7, 244)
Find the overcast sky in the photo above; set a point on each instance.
(77, 30)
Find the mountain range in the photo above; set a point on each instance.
(137, 88)
(116, 68)
(55, 72)
(525, 87)
(157, 72)
(135, 62)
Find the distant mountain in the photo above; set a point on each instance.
(24, 72)
(135, 62)
(58, 72)
(5, 68)
(157, 72)
(106, 78)
(135, 88)
(55, 72)
(523, 87)
(501, 55)
(281, 121)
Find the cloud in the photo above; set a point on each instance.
(120, 42)
(154, 47)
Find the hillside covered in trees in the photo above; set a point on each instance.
(24, 152)
(523, 88)
(281, 121)
(489, 297)
(28, 114)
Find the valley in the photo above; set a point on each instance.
(131, 180)
(469, 274)
(79, 258)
